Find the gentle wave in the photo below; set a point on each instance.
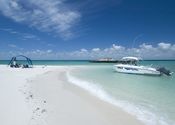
(144, 115)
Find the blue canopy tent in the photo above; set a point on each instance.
(14, 62)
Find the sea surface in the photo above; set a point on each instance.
(150, 98)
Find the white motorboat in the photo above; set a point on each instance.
(132, 67)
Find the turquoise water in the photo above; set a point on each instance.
(150, 98)
(51, 62)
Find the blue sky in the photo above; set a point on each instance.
(67, 29)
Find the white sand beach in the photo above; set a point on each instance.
(43, 96)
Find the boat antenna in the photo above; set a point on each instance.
(136, 38)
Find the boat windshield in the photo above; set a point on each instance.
(130, 60)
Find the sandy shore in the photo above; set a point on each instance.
(43, 96)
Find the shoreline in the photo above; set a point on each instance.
(48, 98)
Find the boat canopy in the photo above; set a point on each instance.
(130, 58)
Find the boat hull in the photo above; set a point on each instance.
(140, 70)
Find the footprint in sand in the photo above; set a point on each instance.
(43, 110)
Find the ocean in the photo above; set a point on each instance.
(150, 98)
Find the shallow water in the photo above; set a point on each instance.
(150, 98)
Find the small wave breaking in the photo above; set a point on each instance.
(144, 115)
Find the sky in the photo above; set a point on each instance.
(91, 29)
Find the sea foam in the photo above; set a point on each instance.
(144, 115)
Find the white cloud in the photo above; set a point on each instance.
(145, 51)
(20, 35)
(9, 30)
(113, 49)
(44, 15)
(49, 51)
(173, 47)
(29, 36)
(12, 46)
(116, 47)
(95, 49)
(146, 46)
(164, 46)
(84, 50)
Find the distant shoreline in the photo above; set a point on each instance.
(91, 60)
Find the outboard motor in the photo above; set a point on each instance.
(162, 70)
